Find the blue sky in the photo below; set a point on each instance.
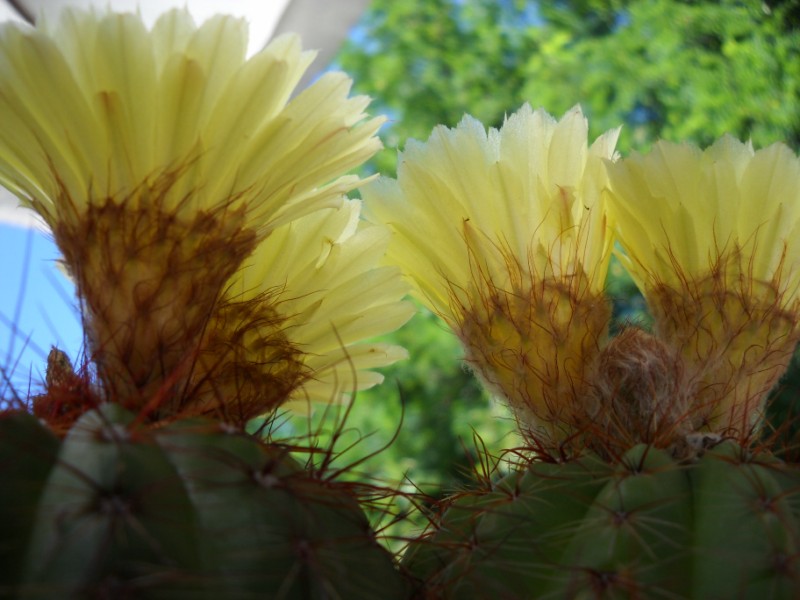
(37, 306)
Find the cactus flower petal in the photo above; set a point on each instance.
(502, 234)
(296, 319)
(711, 239)
(161, 158)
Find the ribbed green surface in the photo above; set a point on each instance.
(721, 528)
(27, 454)
(190, 511)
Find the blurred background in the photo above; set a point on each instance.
(678, 70)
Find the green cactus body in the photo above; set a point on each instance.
(191, 510)
(725, 526)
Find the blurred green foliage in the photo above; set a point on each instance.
(689, 70)
(680, 70)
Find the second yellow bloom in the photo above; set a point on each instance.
(501, 234)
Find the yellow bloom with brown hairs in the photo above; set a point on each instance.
(295, 321)
(712, 238)
(161, 158)
(502, 234)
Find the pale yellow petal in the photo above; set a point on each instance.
(710, 237)
(171, 34)
(502, 235)
(326, 282)
(161, 158)
(113, 106)
(679, 209)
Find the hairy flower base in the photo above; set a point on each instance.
(533, 346)
(67, 394)
(247, 367)
(736, 341)
(148, 282)
(639, 393)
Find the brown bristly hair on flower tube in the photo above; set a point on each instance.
(502, 234)
(294, 324)
(712, 239)
(639, 393)
(161, 159)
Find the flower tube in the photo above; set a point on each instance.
(502, 234)
(160, 159)
(295, 323)
(712, 239)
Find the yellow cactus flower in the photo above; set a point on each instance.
(160, 158)
(295, 319)
(501, 234)
(712, 238)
